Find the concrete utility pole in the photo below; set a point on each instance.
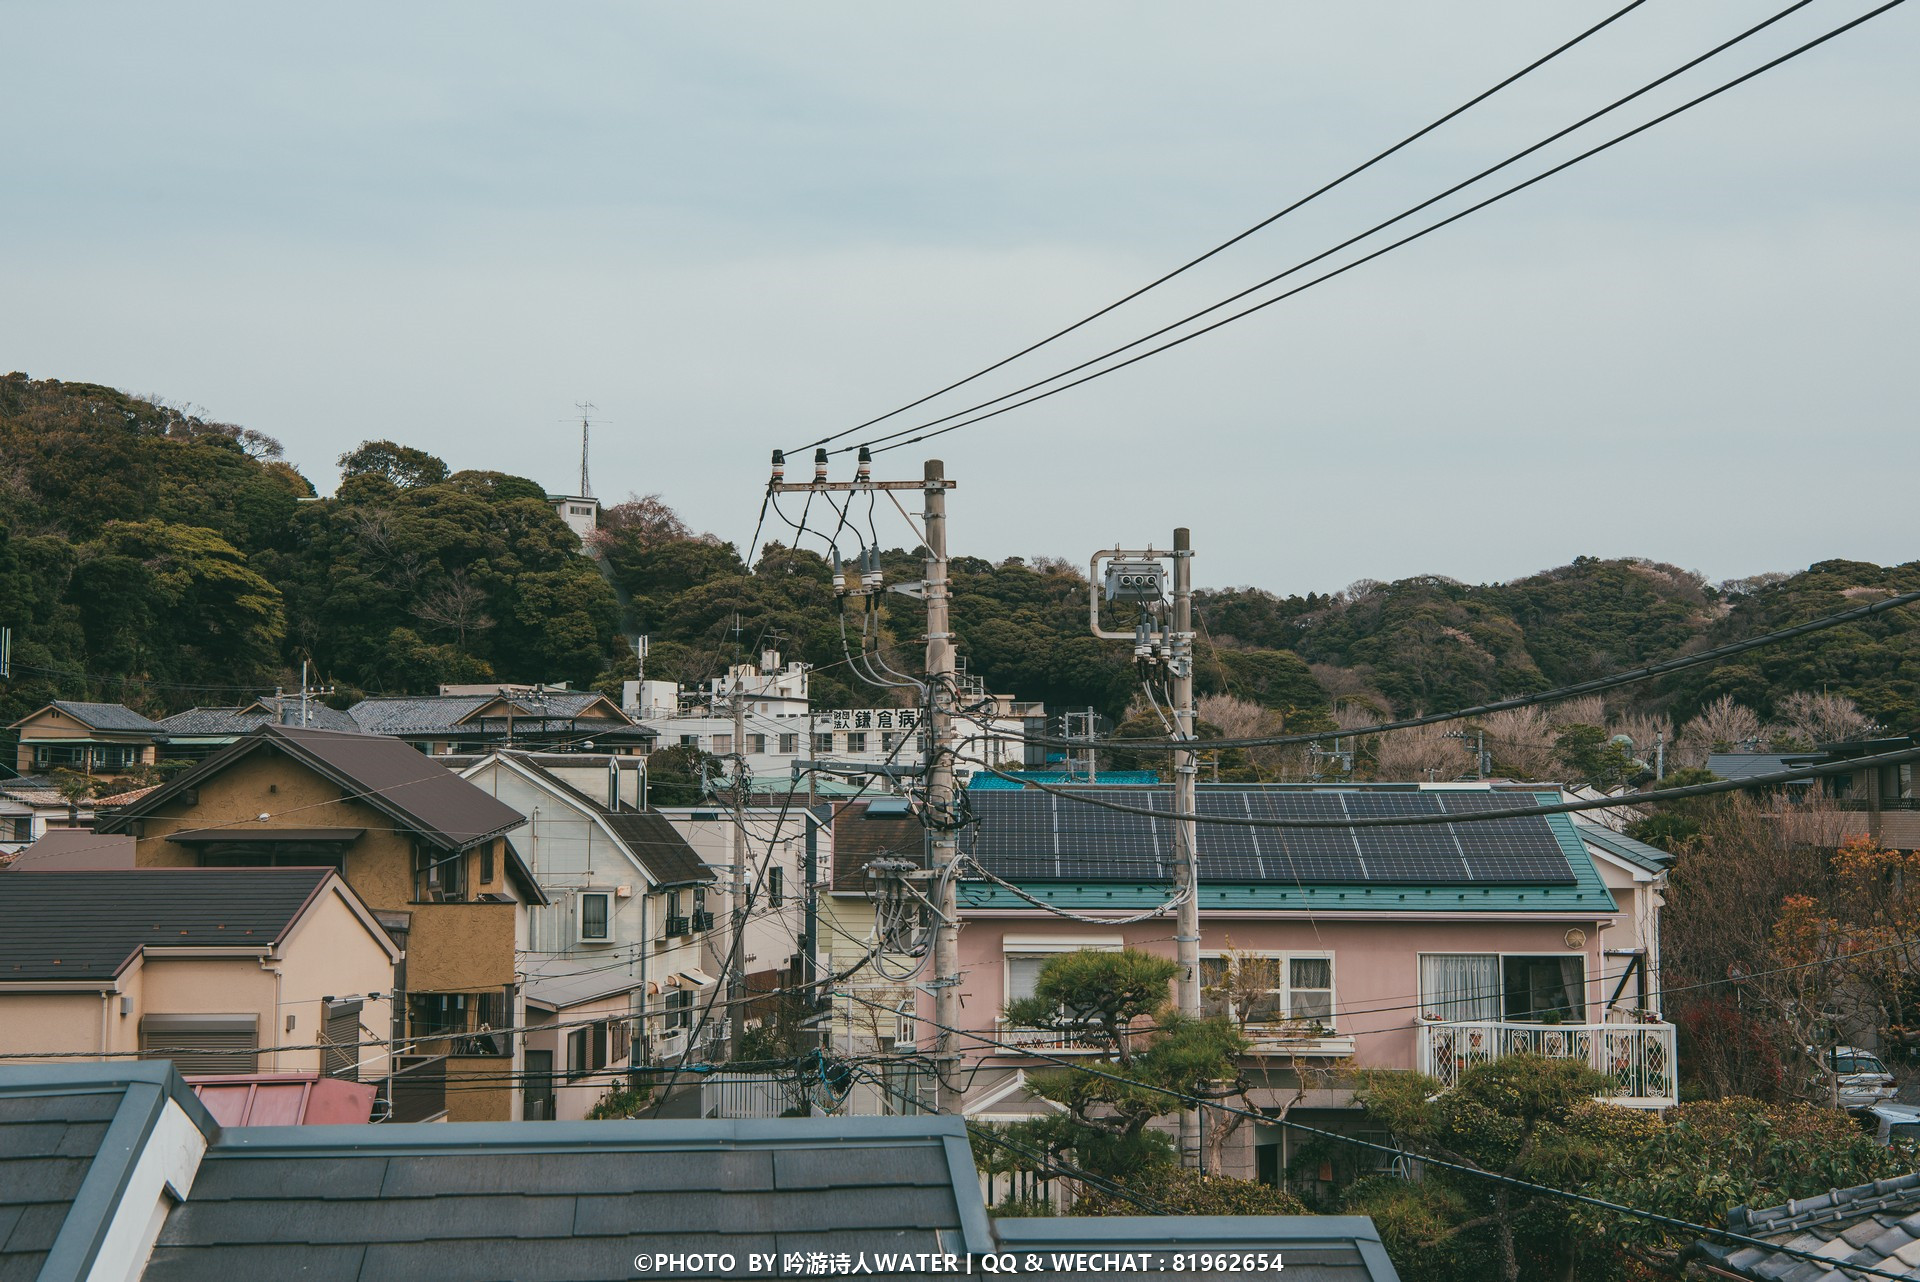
(1186, 831)
(1163, 644)
(937, 722)
(737, 952)
(940, 809)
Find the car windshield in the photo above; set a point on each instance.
(1857, 1062)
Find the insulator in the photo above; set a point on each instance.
(866, 464)
(820, 464)
(779, 464)
(839, 576)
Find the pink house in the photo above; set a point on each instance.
(1430, 947)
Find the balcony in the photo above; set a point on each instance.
(1015, 1040)
(1638, 1058)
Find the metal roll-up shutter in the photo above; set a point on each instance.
(342, 1056)
(203, 1043)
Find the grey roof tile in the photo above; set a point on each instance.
(105, 716)
(87, 924)
(321, 1176)
(199, 1263)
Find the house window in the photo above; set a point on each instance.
(789, 744)
(1023, 973)
(1488, 986)
(202, 1043)
(1544, 989)
(702, 919)
(486, 863)
(689, 741)
(823, 743)
(776, 885)
(856, 742)
(600, 1034)
(722, 745)
(676, 923)
(59, 754)
(596, 917)
(756, 743)
(16, 827)
(679, 1010)
(887, 740)
(577, 1054)
(439, 878)
(1260, 990)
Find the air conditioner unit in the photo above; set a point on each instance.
(702, 921)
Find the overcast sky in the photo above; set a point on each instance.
(736, 226)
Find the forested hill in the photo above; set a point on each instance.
(151, 557)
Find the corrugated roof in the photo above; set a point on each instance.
(284, 1099)
(420, 794)
(1875, 1225)
(86, 925)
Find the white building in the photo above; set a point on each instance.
(783, 729)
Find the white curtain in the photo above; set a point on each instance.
(1460, 986)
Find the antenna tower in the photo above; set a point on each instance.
(586, 409)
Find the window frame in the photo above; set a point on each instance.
(776, 886)
(1578, 1017)
(607, 931)
(577, 1050)
(1285, 990)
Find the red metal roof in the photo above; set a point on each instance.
(283, 1099)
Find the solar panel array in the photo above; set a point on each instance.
(1034, 836)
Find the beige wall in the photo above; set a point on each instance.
(37, 1023)
(331, 952)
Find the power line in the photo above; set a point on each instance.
(1556, 695)
(1509, 1181)
(1268, 221)
(1367, 258)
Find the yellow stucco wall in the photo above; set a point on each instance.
(460, 947)
(478, 1089)
(43, 1022)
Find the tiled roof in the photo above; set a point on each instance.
(115, 717)
(1876, 1225)
(86, 925)
(442, 713)
(213, 722)
(543, 1201)
(424, 796)
(1639, 853)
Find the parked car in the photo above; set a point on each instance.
(1894, 1122)
(1856, 1078)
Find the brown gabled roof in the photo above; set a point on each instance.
(647, 834)
(418, 793)
(858, 839)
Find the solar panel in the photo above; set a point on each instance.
(1034, 836)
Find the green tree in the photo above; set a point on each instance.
(1591, 756)
(401, 466)
(1521, 1118)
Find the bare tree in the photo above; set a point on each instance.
(1521, 741)
(1418, 754)
(1808, 719)
(1722, 726)
(458, 606)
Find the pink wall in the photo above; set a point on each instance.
(1376, 964)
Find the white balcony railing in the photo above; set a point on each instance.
(1638, 1058)
(1014, 1039)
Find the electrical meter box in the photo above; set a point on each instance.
(1136, 581)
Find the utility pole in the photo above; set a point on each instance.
(1186, 843)
(942, 845)
(940, 808)
(737, 953)
(1163, 644)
